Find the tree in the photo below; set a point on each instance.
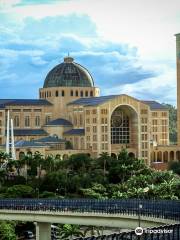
(7, 231)
(2, 176)
(68, 145)
(68, 231)
(79, 162)
(20, 191)
(175, 167)
(104, 162)
(172, 123)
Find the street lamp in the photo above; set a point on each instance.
(139, 215)
(57, 191)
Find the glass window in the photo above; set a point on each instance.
(16, 121)
(37, 121)
(27, 121)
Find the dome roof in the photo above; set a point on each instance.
(68, 74)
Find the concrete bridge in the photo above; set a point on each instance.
(110, 213)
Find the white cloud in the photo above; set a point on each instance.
(147, 25)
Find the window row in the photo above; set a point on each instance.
(27, 122)
(94, 111)
(27, 110)
(156, 114)
(61, 93)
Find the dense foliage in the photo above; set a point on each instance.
(82, 176)
(7, 231)
(172, 123)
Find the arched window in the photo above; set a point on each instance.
(178, 155)
(63, 93)
(159, 156)
(29, 153)
(81, 93)
(21, 155)
(57, 93)
(76, 93)
(71, 93)
(91, 93)
(86, 93)
(153, 157)
(131, 155)
(113, 155)
(49, 94)
(120, 127)
(171, 156)
(165, 157)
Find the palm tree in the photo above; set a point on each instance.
(105, 159)
(48, 163)
(2, 176)
(68, 231)
(4, 157)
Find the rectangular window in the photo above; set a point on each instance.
(94, 137)
(37, 121)
(154, 114)
(144, 111)
(94, 129)
(27, 121)
(16, 121)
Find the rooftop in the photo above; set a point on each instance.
(79, 131)
(68, 74)
(50, 139)
(22, 143)
(59, 122)
(27, 102)
(93, 100)
(29, 132)
(155, 105)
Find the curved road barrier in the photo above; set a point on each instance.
(110, 213)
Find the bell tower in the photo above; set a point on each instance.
(178, 85)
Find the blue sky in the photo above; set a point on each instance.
(128, 46)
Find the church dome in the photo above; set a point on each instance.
(68, 74)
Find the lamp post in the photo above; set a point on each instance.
(139, 215)
(57, 191)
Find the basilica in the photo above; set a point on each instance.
(71, 116)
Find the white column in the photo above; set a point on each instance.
(43, 231)
(12, 142)
(7, 134)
